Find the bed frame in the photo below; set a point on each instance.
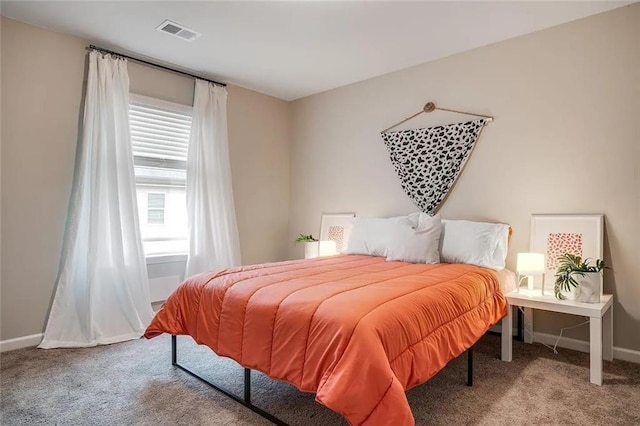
(246, 398)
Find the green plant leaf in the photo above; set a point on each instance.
(570, 267)
(305, 238)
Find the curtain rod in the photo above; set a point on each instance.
(152, 64)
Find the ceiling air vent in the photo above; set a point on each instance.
(177, 30)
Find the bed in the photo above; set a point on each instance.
(358, 331)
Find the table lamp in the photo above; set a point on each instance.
(528, 265)
(328, 248)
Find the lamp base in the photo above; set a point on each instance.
(530, 282)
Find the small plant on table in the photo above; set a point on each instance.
(571, 271)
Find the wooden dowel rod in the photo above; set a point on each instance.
(403, 121)
(463, 112)
(429, 107)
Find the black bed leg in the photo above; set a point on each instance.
(174, 350)
(470, 366)
(246, 401)
(520, 335)
(247, 385)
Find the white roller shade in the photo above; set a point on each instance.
(159, 130)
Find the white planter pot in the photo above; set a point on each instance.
(311, 249)
(589, 288)
(571, 294)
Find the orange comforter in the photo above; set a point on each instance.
(356, 330)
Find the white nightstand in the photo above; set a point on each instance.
(600, 324)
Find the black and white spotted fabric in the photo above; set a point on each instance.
(428, 161)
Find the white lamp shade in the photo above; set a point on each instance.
(328, 248)
(530, 263)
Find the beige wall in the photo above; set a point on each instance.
(42, 90)
(42, 81)
(259, 149)
(566, 139)
(566, 102)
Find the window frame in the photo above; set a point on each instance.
(154, 162)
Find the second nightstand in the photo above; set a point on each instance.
(600, 324)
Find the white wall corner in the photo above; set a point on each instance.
(21, 342)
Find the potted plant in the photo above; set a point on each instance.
(311, 245)
(579, 279)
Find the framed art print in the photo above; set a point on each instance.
(556, 234)
(336, 227)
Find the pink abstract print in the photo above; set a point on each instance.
(336, 233)
(562, 243)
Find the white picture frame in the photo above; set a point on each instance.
(336, 227)
(556, 234)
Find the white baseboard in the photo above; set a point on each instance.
(20, 342)
(498, 329)
(583, 346)
(626, 355)
(565, 342)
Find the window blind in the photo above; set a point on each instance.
(159, 132)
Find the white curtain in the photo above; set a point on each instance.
(102, 294)
(213, 232)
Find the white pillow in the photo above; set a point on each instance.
(377, 236)
(415, 242)
(475, 243)
(370, 235)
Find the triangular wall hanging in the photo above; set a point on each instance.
(429, 160)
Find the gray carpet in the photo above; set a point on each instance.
(133, 383)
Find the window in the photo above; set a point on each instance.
(155, 208)
(160, 139)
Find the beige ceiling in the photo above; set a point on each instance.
(294, 49)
